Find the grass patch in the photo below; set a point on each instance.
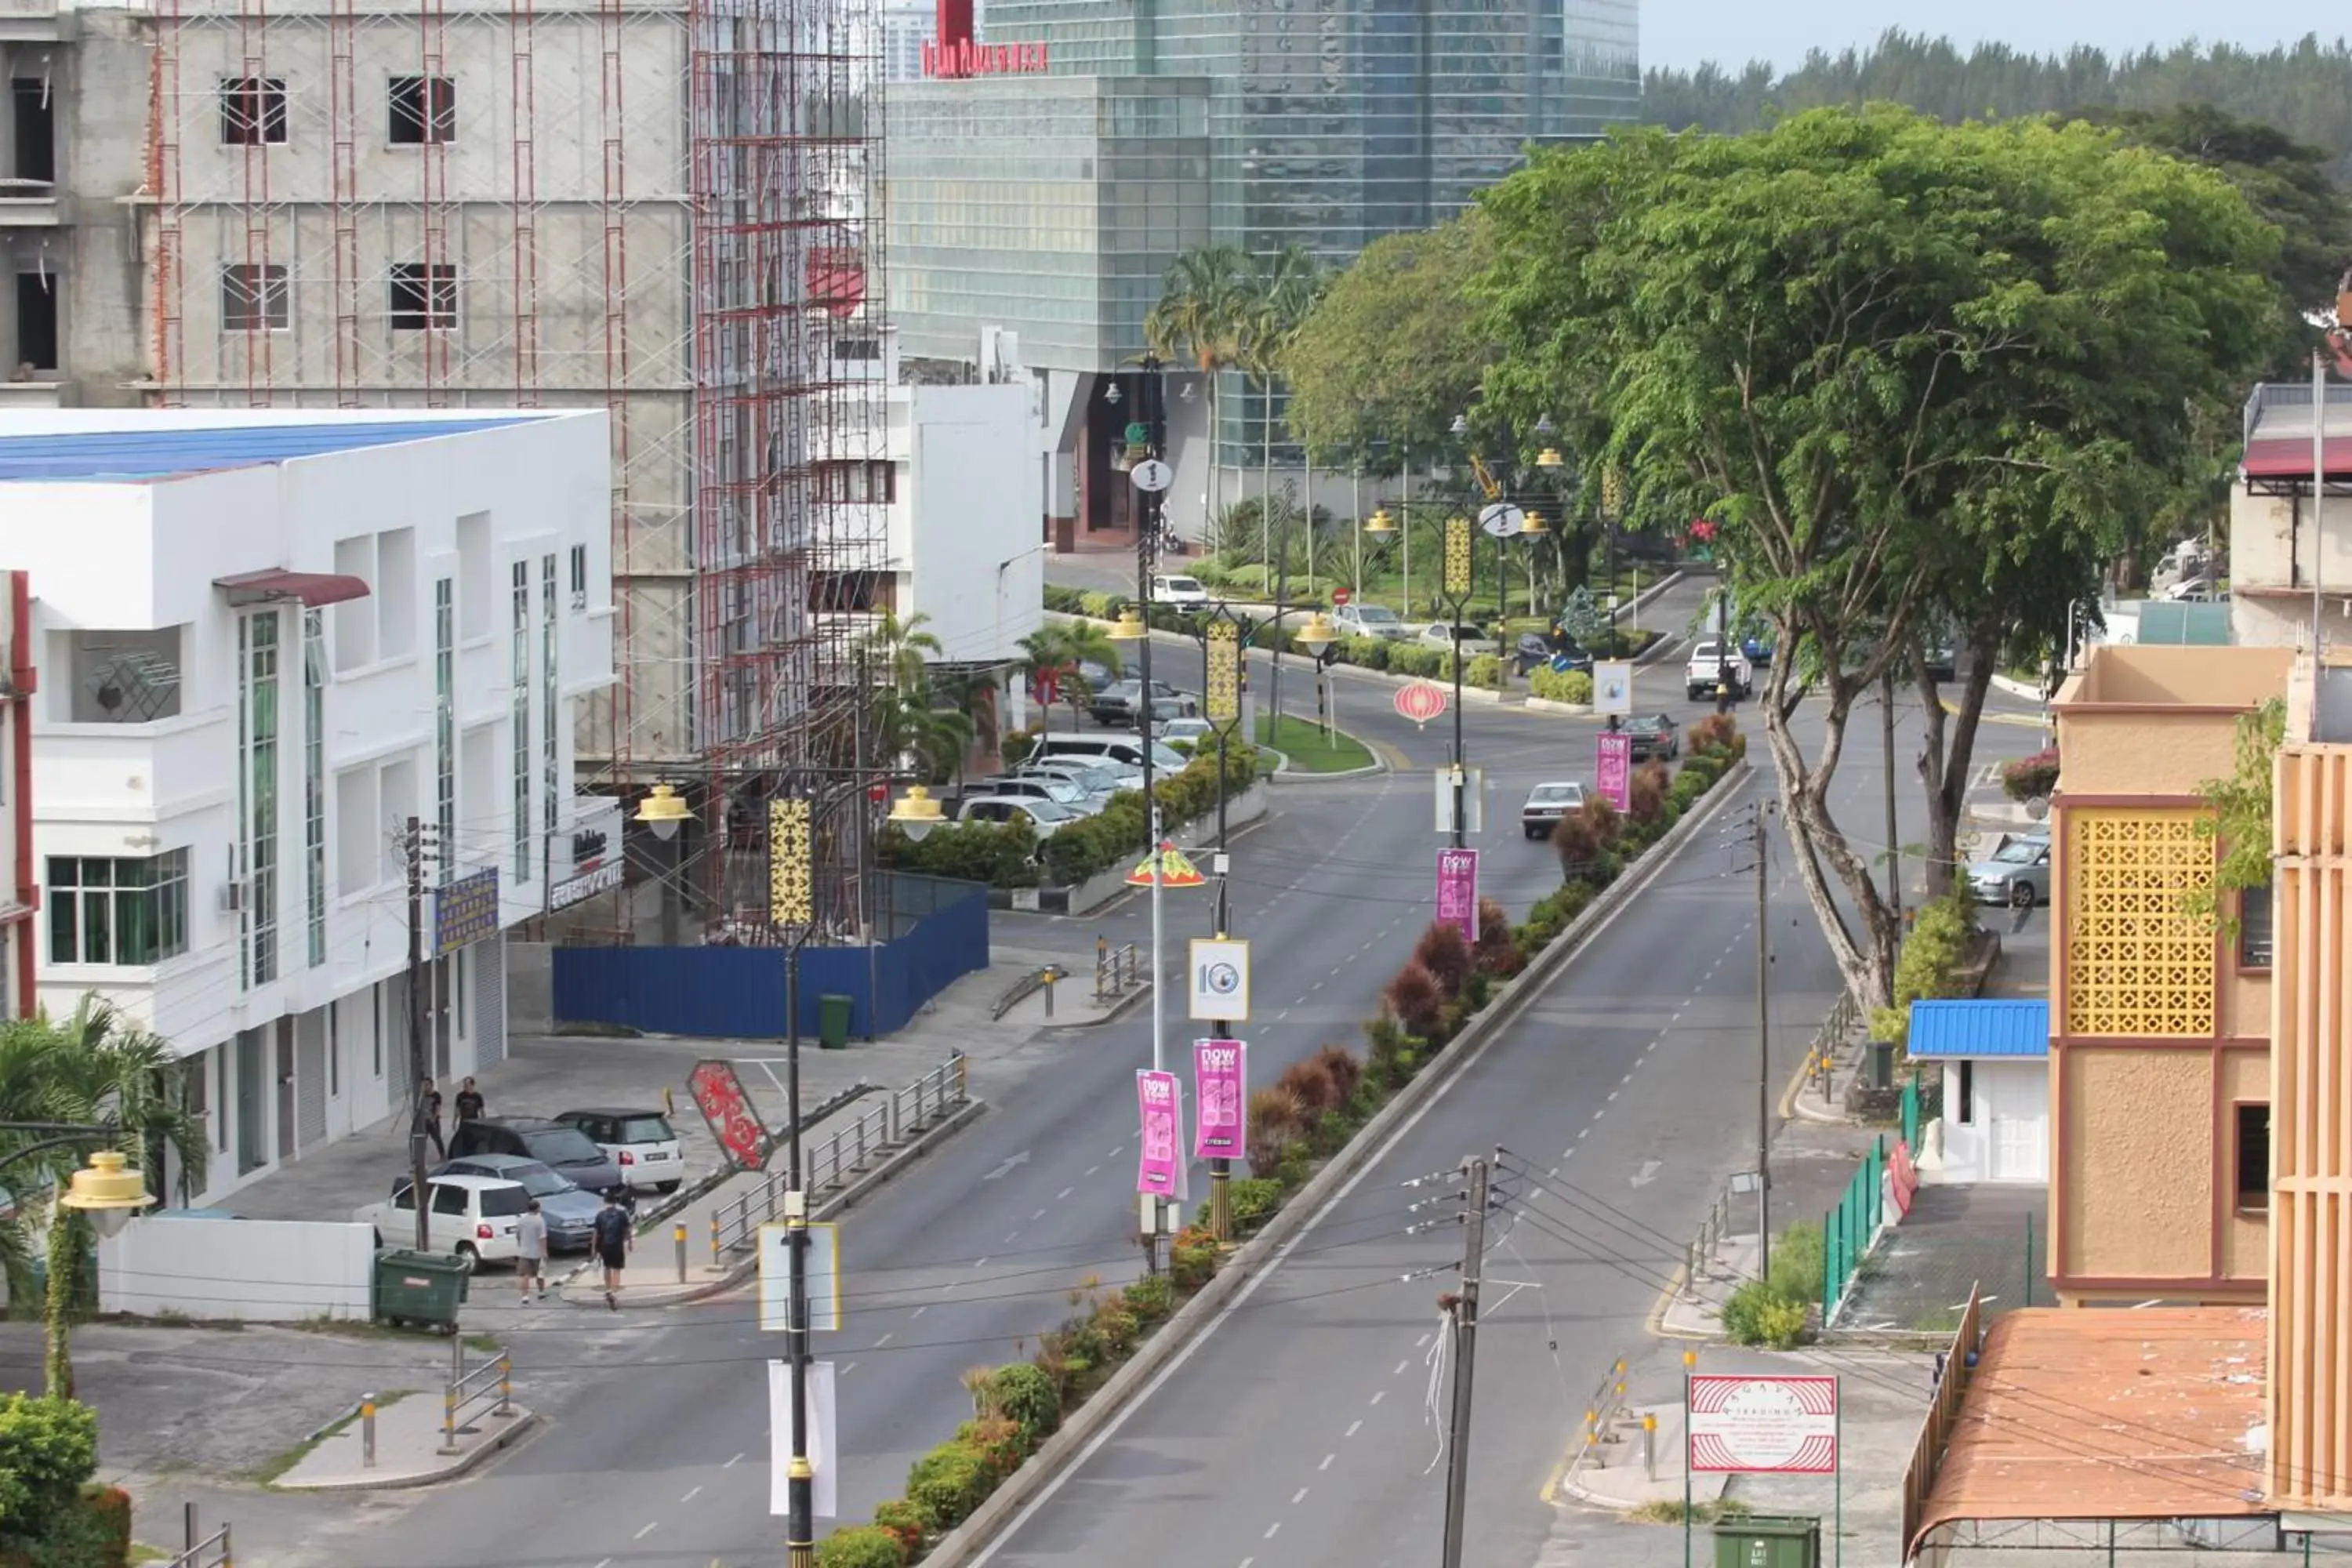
(143, 1552)
(269, 1470)
(1669, 1510)
(1302, 741)
(485, 1343)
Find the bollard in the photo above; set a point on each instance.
(456, 1359)
(1650, 1447)
(1048, 976)
(1592, 1440)
(506, 1384)
(678, 1234)
(449, 1419)
(1690, 1272)
(367, 1435)
(188, 1520)
(714, 1239)
(1103, 989)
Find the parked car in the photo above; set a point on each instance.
(1184, 592)
(1369, 621)
(1468, 639)
(567, 1149)
(1940, 661)
(1115, 703)
(1547, 804)
(473, 1216)
(1197, 730)
(2016, 874)
(1657, 737)
(1531, 651)
(1100, 778)
(1042, 814)
(569, 1209)
(1122, 751)
(642, 1142)
(1757, 648)
(1713, 663)
(1033, 787)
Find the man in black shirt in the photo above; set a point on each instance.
(469, 1103)
(613, 1239)
(428, 1116)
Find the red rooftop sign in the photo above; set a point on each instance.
(964, 57)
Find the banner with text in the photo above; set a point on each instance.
(1220, 1089)
(1457, 891)
(1160, 1169)
(1614, 771)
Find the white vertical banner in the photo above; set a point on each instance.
(823, 1444)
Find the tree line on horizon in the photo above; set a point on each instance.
(2302, 90)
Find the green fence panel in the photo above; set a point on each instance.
(1911, 1114)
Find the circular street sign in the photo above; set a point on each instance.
(1421, 702)
(1152, 475)
(1501, 519)
(1339, 595)
(1561, 664)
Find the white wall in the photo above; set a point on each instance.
(2010, 1099)
(256, 1270)
(972, 516)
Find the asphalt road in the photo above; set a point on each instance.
(660, 1455)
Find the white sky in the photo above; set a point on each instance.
(1682, 33)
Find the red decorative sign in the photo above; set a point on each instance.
(1340, 596)
(1421, 702)
(965, 58)
(727, 1110)
(1763, 1425)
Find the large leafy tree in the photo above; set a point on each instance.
(1390, 353)
(1898, 362)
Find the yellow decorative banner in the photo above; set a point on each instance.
(1223, 696)
(789, 902)
(1612, 492)
(1457, 555)
(1173, 868)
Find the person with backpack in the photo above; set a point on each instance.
(613, 1242)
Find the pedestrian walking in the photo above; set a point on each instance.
(612, 1243)
(469, 1103)
(530, 1251)
(428, 1116)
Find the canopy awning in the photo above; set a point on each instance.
(278, 587)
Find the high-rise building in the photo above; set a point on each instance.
(907, 27)
(1054, 207)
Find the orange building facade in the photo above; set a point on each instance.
(2159, 1062)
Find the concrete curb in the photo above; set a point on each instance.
(2016, 688)
(961, 1545)
(744, 1268)
(515, 1425)
(1573, 710)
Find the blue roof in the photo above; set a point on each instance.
(163, 451)
(1997, 1028)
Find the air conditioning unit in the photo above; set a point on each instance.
(232, 898)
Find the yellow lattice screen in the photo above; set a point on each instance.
(2135, 963)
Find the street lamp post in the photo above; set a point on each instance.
(108, 1191)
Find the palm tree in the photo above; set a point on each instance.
(1202, 310)
(99, 1069)
(1054, 654)
(1284, 288)
(965, 691)
(908, 725)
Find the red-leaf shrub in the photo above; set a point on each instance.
(1711, 733)
(1497, 952)
(1342, 1069)
(1416, 998)
(1443, 952)
(1579, 845)
(1646, 798)
(1275, 1117)
(1605, 822)
(1310, 1081)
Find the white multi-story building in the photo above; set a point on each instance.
(907, 27)
(264, 644)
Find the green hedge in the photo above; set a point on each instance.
(1927, 967)
(1486, 671)
(1077, 850)
(1560, 686)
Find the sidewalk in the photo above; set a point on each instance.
(410, 1447)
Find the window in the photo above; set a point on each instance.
(449, 1198)
(256, 637)
(118, 911)
(578, 576)
(551, 775)
(856, 482)
(521, 682)
(1964, 1089)
(444, 722)
(2254, 928)
(255, 299)
(314, 782)
(2254, 1157)
(424, 110)
(253, 111)
(37, 319)
(423, 295)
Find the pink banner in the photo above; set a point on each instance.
(1614, 773)
(1457, 890)
(1221, 1089)
(1161, 1169)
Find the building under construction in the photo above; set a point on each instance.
(660, 209)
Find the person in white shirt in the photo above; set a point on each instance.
(530, 1253)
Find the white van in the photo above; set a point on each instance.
(1112, 746)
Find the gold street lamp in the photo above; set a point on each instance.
(916, 814)
(108, 1191)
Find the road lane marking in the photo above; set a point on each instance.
(1326, 1461)
(1065, 1193)
(1013, 1238)
(648, 1530)
(885, 1340)
(1421, 1342)
(1271, 1528)
(1380, 1394)
(1114, 1153)
(982, 1264)
(850, 1368)
(920, 1311)
(732, 1463)
(692, 1495)
(1092, 1169)
(1353, 1428)
(1041, 1213)
(1298, 1497)
(1611, 1101)
(1579, 1135)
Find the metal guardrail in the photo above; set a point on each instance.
(473, 1390)
(845, 1154)
(1117, 969)
(1028, 985)
(1820, 1056)
(1603, 1412)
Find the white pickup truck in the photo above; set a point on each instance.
(1711, 663)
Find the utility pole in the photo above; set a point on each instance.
(412, 846)
(1894, 845)
(800, 1476)
(1763, 1057)
(1465, 1337)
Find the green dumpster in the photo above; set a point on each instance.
(422, 1289)
(1767, 1541)
(833, 1020)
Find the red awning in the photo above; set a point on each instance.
(278, 587)
(2289, 457)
